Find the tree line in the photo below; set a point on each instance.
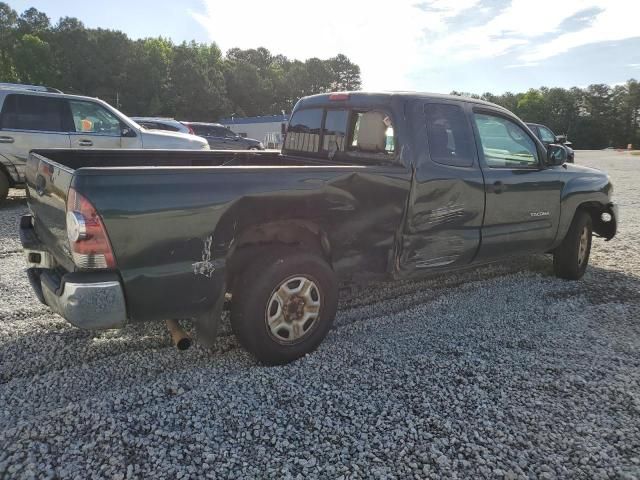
(594, 117)
(195, 81)
(154, 76)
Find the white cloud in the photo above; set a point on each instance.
(617, 21)
(392, 39)
(384, 37)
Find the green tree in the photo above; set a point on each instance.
(8, 25)
(33, 22)
(346, 75)
(33, 62)
(197, 90)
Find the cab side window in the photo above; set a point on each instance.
(304, 130)
(449, 135)
(504, 143)
(91, 118)
(32, 112)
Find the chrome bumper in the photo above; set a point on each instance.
(91, 305)
(92, 300)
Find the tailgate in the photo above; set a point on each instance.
(47, 187)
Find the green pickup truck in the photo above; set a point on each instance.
(368, 186)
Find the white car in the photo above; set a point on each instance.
(34, 117)
(160, 123)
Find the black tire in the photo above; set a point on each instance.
(253, 296)
(570, 260)
(4, 187)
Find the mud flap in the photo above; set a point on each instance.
(207, 324)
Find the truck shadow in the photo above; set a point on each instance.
(16, 198)
(55, 345)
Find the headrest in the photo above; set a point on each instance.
(372, 132)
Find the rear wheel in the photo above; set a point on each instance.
(284, 305)
(571, 258)
(4, 187)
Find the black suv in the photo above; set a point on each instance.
(547, 137)
(222, 138)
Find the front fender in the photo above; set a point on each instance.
(590, 190)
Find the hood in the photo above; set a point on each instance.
(572, 167)
(177, 140)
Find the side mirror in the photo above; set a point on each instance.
(556, 155)
(127, 132)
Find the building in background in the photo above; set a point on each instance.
(269, 129)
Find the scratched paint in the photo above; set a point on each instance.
(205, 266)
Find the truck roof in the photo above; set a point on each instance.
(386, 97)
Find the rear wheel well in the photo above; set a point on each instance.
(5, 172)
(595, 211)
(257, 241)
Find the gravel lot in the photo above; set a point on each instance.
(500, 372)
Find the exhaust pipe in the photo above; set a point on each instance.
(180, 338)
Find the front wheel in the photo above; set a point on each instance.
(284, 305)
(571, 258)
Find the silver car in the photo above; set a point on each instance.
(160, 123)
(33, 117)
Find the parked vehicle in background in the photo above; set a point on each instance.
(41, 117)
(547, 137)
(158, 123)
(368, 186)
(222, 138)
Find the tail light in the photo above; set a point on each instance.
(90, 246)
(191, 130)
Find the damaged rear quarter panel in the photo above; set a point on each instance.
(172, 237)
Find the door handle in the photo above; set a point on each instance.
(85, 143)
(6, 140)
(498, 187)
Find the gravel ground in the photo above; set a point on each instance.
(498, 372)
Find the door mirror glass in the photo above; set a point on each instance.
(556, 155)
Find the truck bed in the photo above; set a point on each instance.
(77, 159)
(165, 212)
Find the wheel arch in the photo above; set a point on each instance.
(605, 229)
(256, 239)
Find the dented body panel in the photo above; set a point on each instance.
(184, 224)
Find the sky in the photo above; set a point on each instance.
(427, 45)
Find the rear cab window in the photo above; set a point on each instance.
(304, 130)
(345, 134)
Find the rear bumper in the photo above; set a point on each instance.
(92, 300)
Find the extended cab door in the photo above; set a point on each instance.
(522, 196)
(446, 205)
(94, 126)
(27, 122)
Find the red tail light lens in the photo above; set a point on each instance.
(191, 130)
(88, 239)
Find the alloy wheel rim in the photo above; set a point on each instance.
(293, 309)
